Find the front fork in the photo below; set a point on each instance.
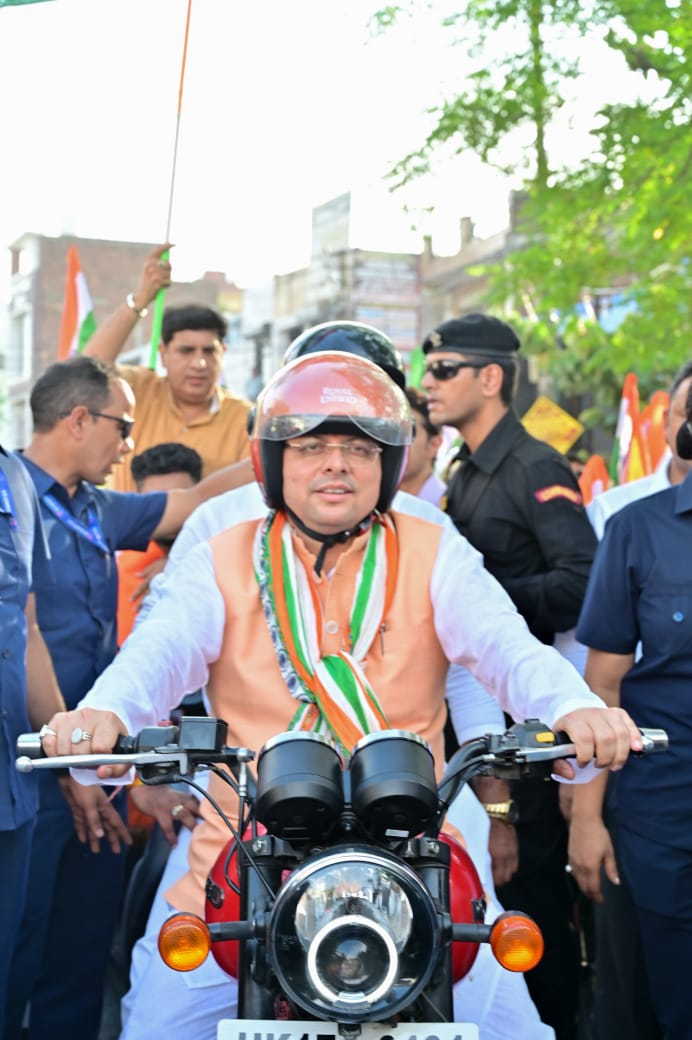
(256, 996)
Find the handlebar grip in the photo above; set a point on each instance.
(655, 740)
(29, 745)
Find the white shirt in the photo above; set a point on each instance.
(473, 710)
(475, 620)
(608, 502)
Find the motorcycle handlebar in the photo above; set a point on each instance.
(525, 749)
(159, 751)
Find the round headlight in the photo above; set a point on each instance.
(352, 960)
(353, 935)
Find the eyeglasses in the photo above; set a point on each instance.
(124, 424)
(444, 370)
(318, 450)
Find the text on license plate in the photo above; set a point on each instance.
(260, 1029)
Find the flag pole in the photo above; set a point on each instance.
(157, 316)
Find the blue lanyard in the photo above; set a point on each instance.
(91, 531)
(6, 500)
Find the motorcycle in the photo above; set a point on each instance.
(338, 903)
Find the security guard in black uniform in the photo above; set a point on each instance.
(516, 500)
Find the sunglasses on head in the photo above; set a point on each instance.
(443, 370)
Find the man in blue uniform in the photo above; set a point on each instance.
(517, 501)
(83, 416)
(28, 693)
(640, 592)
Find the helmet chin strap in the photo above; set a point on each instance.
(328, 540)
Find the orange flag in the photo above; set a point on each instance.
(630, 453)
(652, 426)
(594, 478)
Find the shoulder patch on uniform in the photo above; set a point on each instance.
(547, 494)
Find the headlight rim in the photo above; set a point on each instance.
(427, 936)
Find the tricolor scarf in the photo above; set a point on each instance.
(336, 698)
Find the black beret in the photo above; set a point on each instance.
(473, 334)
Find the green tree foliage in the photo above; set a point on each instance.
(621, 217)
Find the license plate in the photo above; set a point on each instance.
(260, 1029)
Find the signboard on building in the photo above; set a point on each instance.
(386, 294)
(399, 323)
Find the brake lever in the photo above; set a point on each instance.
(521, 751)
(524, 752)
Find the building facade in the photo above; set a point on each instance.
(403, 294)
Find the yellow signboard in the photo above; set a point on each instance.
(550, 423)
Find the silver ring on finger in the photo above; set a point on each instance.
(46, 731)
(177, 809)
(78, 735)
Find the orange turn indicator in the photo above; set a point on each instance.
(516, 941)
(184, 942)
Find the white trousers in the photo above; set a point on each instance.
(190, 1004)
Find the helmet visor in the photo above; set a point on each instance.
(336, 392)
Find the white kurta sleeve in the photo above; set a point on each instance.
(479, 627)
(209, 519)
(168, 655)
(472, 709)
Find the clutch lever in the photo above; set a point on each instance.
(174, 760)
(163, 754)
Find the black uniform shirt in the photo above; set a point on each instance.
(518, 502)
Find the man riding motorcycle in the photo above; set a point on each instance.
(329, 446)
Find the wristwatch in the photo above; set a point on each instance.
(141, 312)
(506, 812)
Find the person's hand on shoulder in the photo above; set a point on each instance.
(146, 576)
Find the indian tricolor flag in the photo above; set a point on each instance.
(630, 459)
(78, 322)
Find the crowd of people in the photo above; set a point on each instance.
(325, 492)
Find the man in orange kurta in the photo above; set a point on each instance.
(392, 598)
